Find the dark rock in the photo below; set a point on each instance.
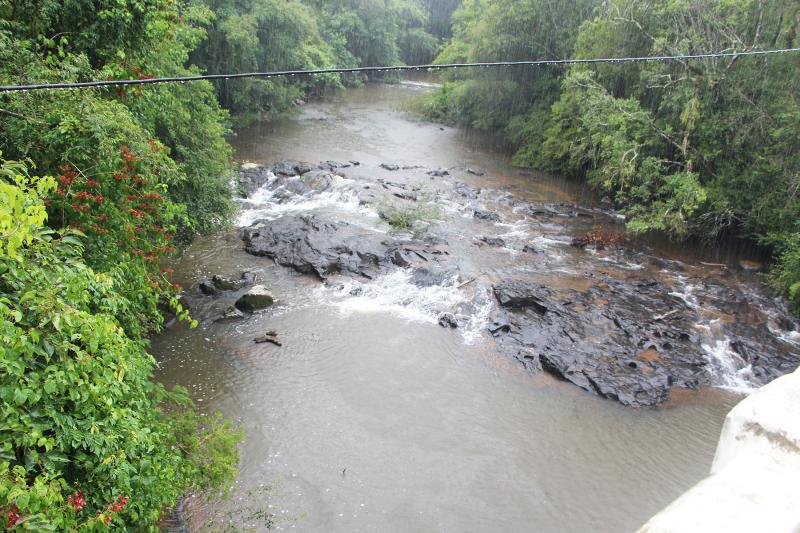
(629, 341)
(520, 294)
(390, 166)
(410, 196)
(429, 277)
(493, 241)
(256, 299)
(532, 250)
(354, 163)
(486, 215)
(252, 177)
(475, 172)
(356, 291)
(462, 189)
(289, 167)
(312, 246)
(231, 314)
(208, 288)
(447, 320)
(226, 284)
(318, 180)
(248, 277)
(330, 166)
(438, 173)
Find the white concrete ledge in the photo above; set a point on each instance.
(754, 483)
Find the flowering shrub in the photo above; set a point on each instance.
(88, 441)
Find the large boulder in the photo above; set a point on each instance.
(256, 299)
(252, 177)
(628, 341)
(312, 246)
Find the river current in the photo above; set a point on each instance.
(372, 417)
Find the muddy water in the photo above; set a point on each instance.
(372, 417)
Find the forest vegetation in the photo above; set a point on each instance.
(100, 188)
(704, 149)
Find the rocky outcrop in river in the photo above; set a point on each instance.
(620, 327)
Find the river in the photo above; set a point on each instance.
(372, 417)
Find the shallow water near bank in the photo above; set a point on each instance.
(371, 417)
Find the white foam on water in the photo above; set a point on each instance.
(728, 368)
(545, 241)
(264, 204)
(395, 294)
(517, 229)
(686, 293)
(627, 265)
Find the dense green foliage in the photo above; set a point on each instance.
(691, 148)
(88, 441)
(273, 35)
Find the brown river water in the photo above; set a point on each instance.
(372, 417)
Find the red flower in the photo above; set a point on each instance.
(99, 198)
(102, 217)
(119, 176)
(137, 213)
(77, 500)
(12, 513)
(107, 519)
(91, 183)
(65, 167)
(119, 505)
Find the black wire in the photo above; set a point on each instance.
(284, 73)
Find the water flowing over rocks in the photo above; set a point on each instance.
(621, 323)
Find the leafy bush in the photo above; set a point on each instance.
(87, 440)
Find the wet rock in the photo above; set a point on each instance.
(521, 294)
(464, 190)
(312, 246)
(475, 172)
(447, 320)
(208, 288)
(330, 166)
(532, 249)
(390, 166)
(318, 180)
(356, 291)
(354, 162)
(767, 355)
(248, 277)
(430, 277)
(256, 299)
(290, 167)
(410, 196)
(296, 186)
(482, 214)
(493, 241)
(438, 172)
(628, 341)
(231, 314)
(252, 177)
